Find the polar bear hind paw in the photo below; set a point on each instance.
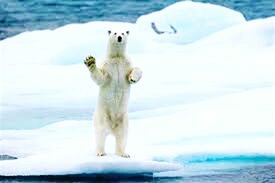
(100, 154)
(132, 81)
(125, 155)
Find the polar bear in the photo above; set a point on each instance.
(114, 79)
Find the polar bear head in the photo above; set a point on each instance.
(117, 43)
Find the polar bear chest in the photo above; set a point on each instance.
(118, 75)
(116, 92)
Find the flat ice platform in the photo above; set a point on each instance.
(108, 167)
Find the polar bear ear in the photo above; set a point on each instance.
(127, 32)
(109, 32)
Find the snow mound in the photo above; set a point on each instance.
(255, 34)
(73, 42)
(56, 46)
(188, 21)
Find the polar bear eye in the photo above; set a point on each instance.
(115, 33)
(123, 34)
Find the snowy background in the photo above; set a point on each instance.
(207, 93)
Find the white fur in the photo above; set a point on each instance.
(114, 79)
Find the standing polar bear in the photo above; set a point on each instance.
(114, 79)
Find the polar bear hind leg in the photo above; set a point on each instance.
(100, 138)
(121, 140)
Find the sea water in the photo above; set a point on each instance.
(19, 16)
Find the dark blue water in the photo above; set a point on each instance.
(17, 16)
(225, 168)
(247, 174)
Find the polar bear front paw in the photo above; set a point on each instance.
(90, 62)
(135, 75)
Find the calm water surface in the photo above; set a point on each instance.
(20, 15)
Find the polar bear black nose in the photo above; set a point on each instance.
(119, 38)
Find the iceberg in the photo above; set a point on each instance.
(207, 94)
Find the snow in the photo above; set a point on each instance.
(205, 92)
